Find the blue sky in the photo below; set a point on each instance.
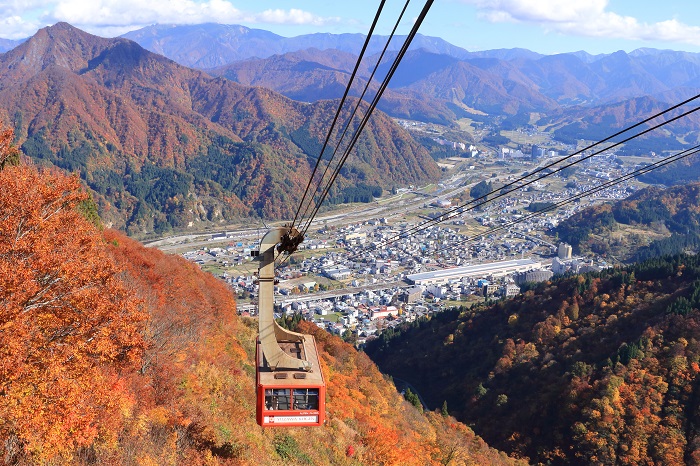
(545, 26)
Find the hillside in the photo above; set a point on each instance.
(164, 146)
(594, 369)
(650, 223)
(572, 98)
(568, 78)
(113, 353)
(311, 75)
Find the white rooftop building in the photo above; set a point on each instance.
(494, 269)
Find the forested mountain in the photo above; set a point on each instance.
(166, 146)
(592, 369)
(565, 79)
(572, 95)
(650, 223)
(113, 353)
(311, 75)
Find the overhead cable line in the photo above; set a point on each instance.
(357, 106)
(370, 110)
(515, 184)
(340, 106)
(607, 184)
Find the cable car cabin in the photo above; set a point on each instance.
(289, 384)
(290, 397)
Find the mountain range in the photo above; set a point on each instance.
(435, 68)
(163, 145)
(576, 77)
(211, 45)
(439, 82)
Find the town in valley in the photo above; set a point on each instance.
(364, 268)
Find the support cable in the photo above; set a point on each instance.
(485, 198)
(340, 106)
(641, 171)
(371, 108)
(357, 105)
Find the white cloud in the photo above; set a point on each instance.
(138, 12)
(17, 28)
(293, 16)
(540, 10)
(584, 18)
(18, 7)
(130, 12)
(21, 18)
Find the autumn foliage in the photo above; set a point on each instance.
(68, 325)
(593, 369)
(9, 154)
(113, 353)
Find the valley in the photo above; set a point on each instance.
(358, 257)
(552, 310)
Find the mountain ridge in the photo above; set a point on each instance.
(108, 108)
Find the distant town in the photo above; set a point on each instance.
(417, 251)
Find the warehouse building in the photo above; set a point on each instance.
(492, 269)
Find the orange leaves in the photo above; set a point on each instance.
(72, 322)
(381, 444)
(388, 430)
(73, 331)
(9, 154)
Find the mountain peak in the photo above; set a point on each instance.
(60, 45)
(62, 26)
(65, 31)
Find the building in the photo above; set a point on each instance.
(511, 290)
(439, 291)
(495, 269)
(411, 295)
(337, 273)
(559, 267)
(538, 152)
(532, 276)
(383, 312)
(355, 239)
(441, 203)
(564, 251)
(489, 290)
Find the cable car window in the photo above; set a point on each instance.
(305, 398)
(277, 399)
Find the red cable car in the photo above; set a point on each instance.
(289, 384)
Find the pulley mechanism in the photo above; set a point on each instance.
(290, 240)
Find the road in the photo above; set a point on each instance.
(327, 294)
(402, 385)
(398, 204)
